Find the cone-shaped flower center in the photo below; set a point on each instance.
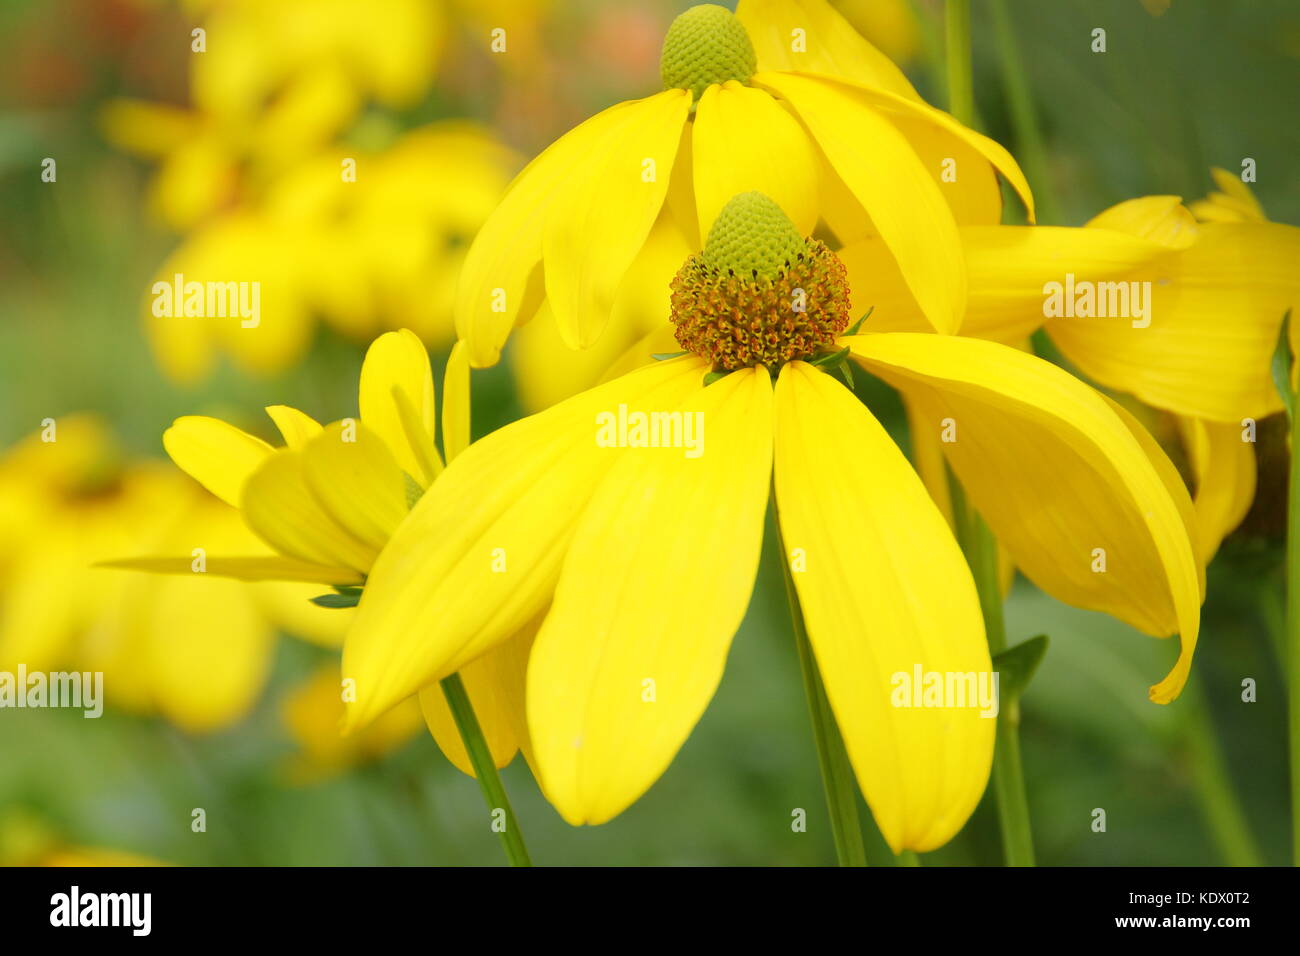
(706, 45)
(759, 293)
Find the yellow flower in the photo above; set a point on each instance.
(365, 256)
(276, 82)
(196, 653)
(783, 98)
(1194, 312)
(327, 502)
(312, 712)
(642, 559)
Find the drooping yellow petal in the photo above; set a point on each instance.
(603, 212)
(281, 509)
(456, 402)
(1205, 344)
(500, 284)
(886, 177)
(356, 480)
(478, 556)
(742, 141)
(398, 360)
(269, 568)
(295, 427)
(1008, 268)
(811, 36)
(885, 591)
(933, 125)
(653, 588)
(1222, 455)
(1059, 477)
(218, 456)
(495, 684)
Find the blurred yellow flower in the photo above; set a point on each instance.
(641, 553)
(378, 253)
(197, 656)
(783, 98)
(328, 501)
(312, 713)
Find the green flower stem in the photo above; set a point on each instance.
(1223, 811)
(1008, 772)
(485, 768)
(961, 96)
(1292, 644)
(1024, 116)
(837, 774)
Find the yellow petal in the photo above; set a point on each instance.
(654, 586)
(218, 456)
(831, 46)
(1223, 469)
(884, 591)
(478, 556)
(295, 427)
(1161, 219)
(886, 177)
(456, 402)
(1205, 346)
(500, 285)
(1007, 269)
(356, 480)
(495, 684)
(398, 360)
(1059, 477)
(743, 140)
(270, 568)
(281, 509)
(930, 126)
(604, 210)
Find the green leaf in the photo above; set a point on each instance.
(665, 356)
(1282, 365)
(853, 329)
(1017, 665)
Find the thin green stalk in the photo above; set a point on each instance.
(981, 551)
(961, 96)
(1024, 116)
(1292, 647)
(485, 768)
(1224, 814)
(837, 773)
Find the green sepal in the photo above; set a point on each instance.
(347, 596)
(830, 359)
(665, 356)
(711, 377)
(853, 329)
(1017, 666)
(846, 373)
(1282, 365)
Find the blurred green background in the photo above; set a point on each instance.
(1203, 83)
